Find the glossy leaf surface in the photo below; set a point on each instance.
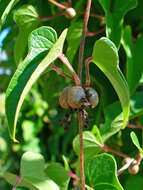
(109, 64)
(101, 171)
(30, 69)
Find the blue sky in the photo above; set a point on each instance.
(3, 34)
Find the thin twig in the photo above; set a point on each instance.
(81, 151)
(134, 126)
(125, 166)
(102, 18)
(91, 34)
(64, 59)
(113, 151)
(87, 83)
(57, 4)
(69, 3)
(62, 72)
(81, 50)
(17, 182)
(51, 17)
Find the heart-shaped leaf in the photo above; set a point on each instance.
(40, 41)
(27, 19)
(101, 172)
(32, 171)
(105, 56)
(114, 12)
(136, 141)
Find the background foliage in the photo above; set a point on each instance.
(38, 124)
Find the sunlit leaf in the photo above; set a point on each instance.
(30, 69)
(114, 13)
(109, 64)
(136, 141)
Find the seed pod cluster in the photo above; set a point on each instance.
(76, 96)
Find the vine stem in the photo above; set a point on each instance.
(88, 60)
(81, 50)
(57, 4)
(80, 65)
(91, 34)
(51, 17)
(64, 59)
(113, 151)
(81, 151)
(134, 126)
(17, 182)
(62, 72)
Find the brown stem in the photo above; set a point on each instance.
(63, 58)
(102, 18)
(62, 72)
(81, 50)
(113, 151)
(140, 157)
(69, 3)
(87, 83)
(134, 126)
(91, 34)
(51, 17)
(81, 151)
(17, 182)
(57, 4)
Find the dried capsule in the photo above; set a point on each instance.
(133, 169)
(64, 98)
(76, 97)
(92, 96)
(70, 13)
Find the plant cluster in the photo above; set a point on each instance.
(71, 96)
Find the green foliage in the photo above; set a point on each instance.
(114, 12)
(109, 65)
(136, 141)
(103, 167)
(27, 19)
(28, 53)
(32, 171)
(29, 71)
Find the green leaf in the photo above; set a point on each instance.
(136, 141)
(30, 69)
(109, 64)
(114, 13)
(134, 55)
(32, 170)
(74, 35)
(27, 20)
(89, 141)
(58, 174)
(6, 11)
(101, 172)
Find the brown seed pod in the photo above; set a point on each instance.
(133, 169)
(64, 98)
(92, 96)
(70, 13)
(76, 97)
